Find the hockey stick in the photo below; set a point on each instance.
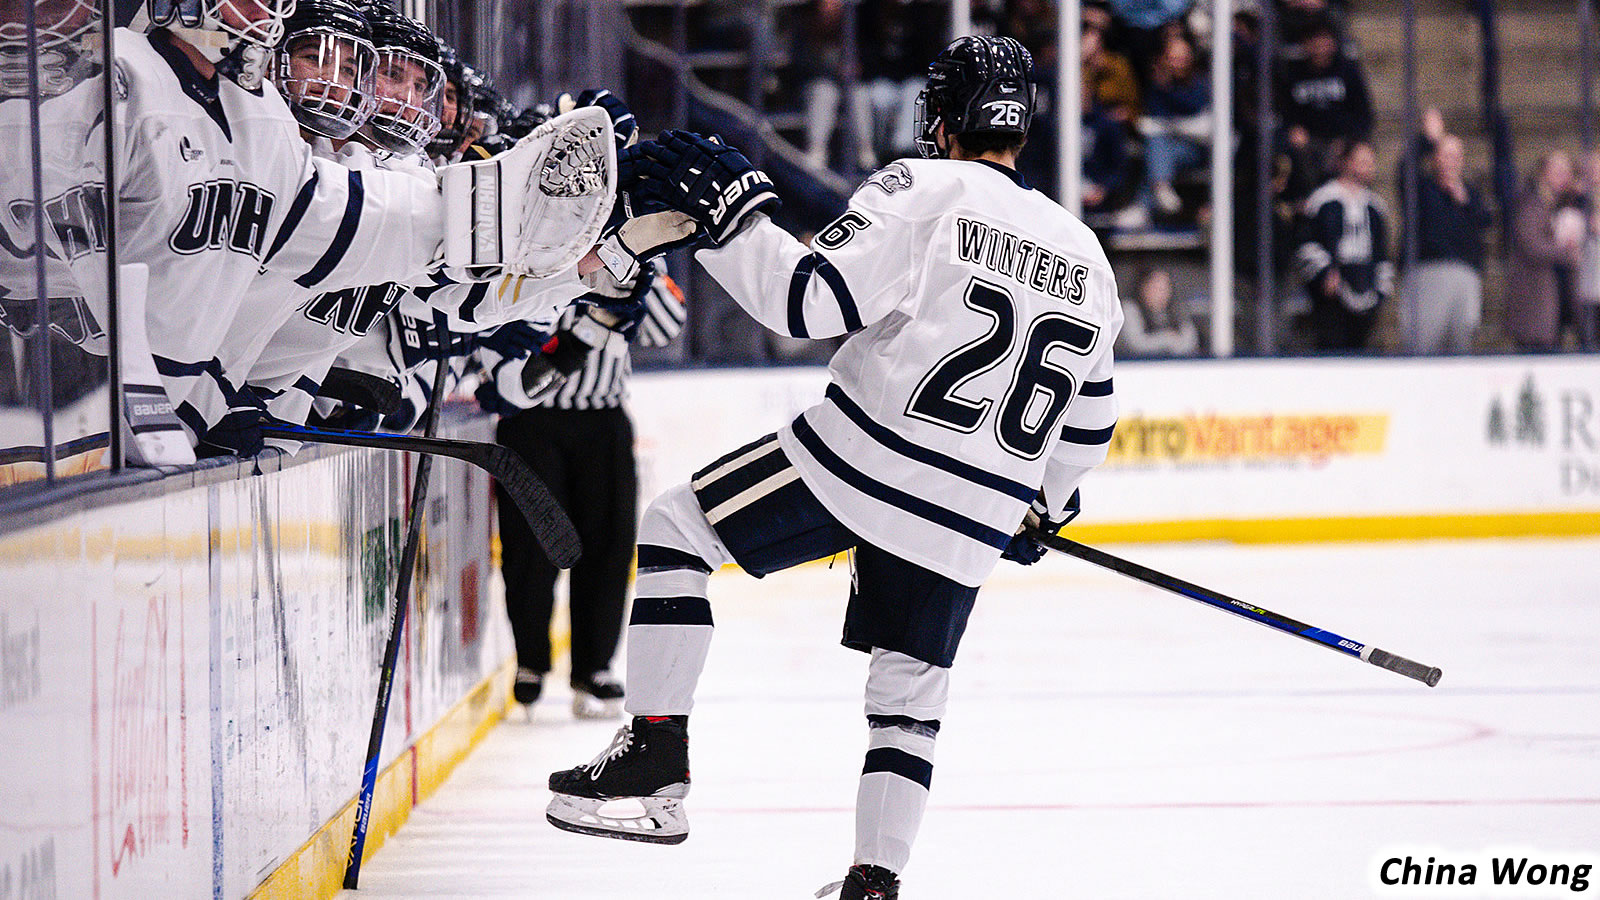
(1384, 660)
(550, 524)
(391, 648)
(397, 624)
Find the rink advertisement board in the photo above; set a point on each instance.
(187, 679)
(1258, 449)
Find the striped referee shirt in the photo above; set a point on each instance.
(602, 382)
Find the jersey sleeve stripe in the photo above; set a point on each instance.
(877, 490)
(297, 211)
(841, 292)
(341, 239)
(1095, 389)
(797, 296)
(468, 311)
(1088, 436)
(925, 455)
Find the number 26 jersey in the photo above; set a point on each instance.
(981, 318)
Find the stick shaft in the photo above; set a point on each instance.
(397, 625)
(1426, 674)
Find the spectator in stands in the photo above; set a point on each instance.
(1297, 19)
(1176, 122)
(896, 40)
(1323, 97)
(1105, 156)
(1587, 311)
(819, 61)
(1447, 287)
(1147, 25)
(1538, 249)
(1109, 73)
(1344, 253)
(1151, 327)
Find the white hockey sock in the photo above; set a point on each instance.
(905, 699)
(669, 632)
(893, 792)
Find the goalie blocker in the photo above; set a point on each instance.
(539, 207)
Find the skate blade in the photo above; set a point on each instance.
(588, 706)
(653, 820)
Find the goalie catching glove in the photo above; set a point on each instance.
(1023, 548)
(539, 207)
(703, 177)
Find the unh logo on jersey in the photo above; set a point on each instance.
(76, 218)
(1005, 113)
(353, 311)
(224, 213)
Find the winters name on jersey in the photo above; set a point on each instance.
(1020, 260)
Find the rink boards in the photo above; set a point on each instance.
(187, 675)
(1258, 450)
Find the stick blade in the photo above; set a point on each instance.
(550, 524)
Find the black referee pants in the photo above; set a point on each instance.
(586, 457)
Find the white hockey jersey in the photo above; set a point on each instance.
(978, 371)
(214, 186)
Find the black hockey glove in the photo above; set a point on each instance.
(705, 178)
(363, 389)
(1026, 550)
(237, 434)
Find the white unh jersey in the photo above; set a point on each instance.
(978, 372)
(214, 186)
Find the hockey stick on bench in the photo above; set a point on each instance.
(397, 626)
(1384, 660)
(550, 524)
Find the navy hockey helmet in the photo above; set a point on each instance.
(409, 83)
(325, 66)
(978, 84)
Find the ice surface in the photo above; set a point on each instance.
(1104, 739)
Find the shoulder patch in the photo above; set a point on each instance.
(895, 176)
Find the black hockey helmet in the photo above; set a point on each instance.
(409, 83)
(978, 84)
(455, 106)
(325, 66)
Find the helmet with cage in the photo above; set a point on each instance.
(257, 22)
(325, 67)
(409, 83)
(977, 85)
(63, 30)
(455, 104)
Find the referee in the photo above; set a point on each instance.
(579, 439)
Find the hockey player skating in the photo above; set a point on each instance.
(973, 394)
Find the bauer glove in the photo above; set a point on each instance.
(1024, 548)
(705, 178)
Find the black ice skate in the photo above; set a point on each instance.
(527, 687)
(596, 696)
(634, 790)
(865, 883)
